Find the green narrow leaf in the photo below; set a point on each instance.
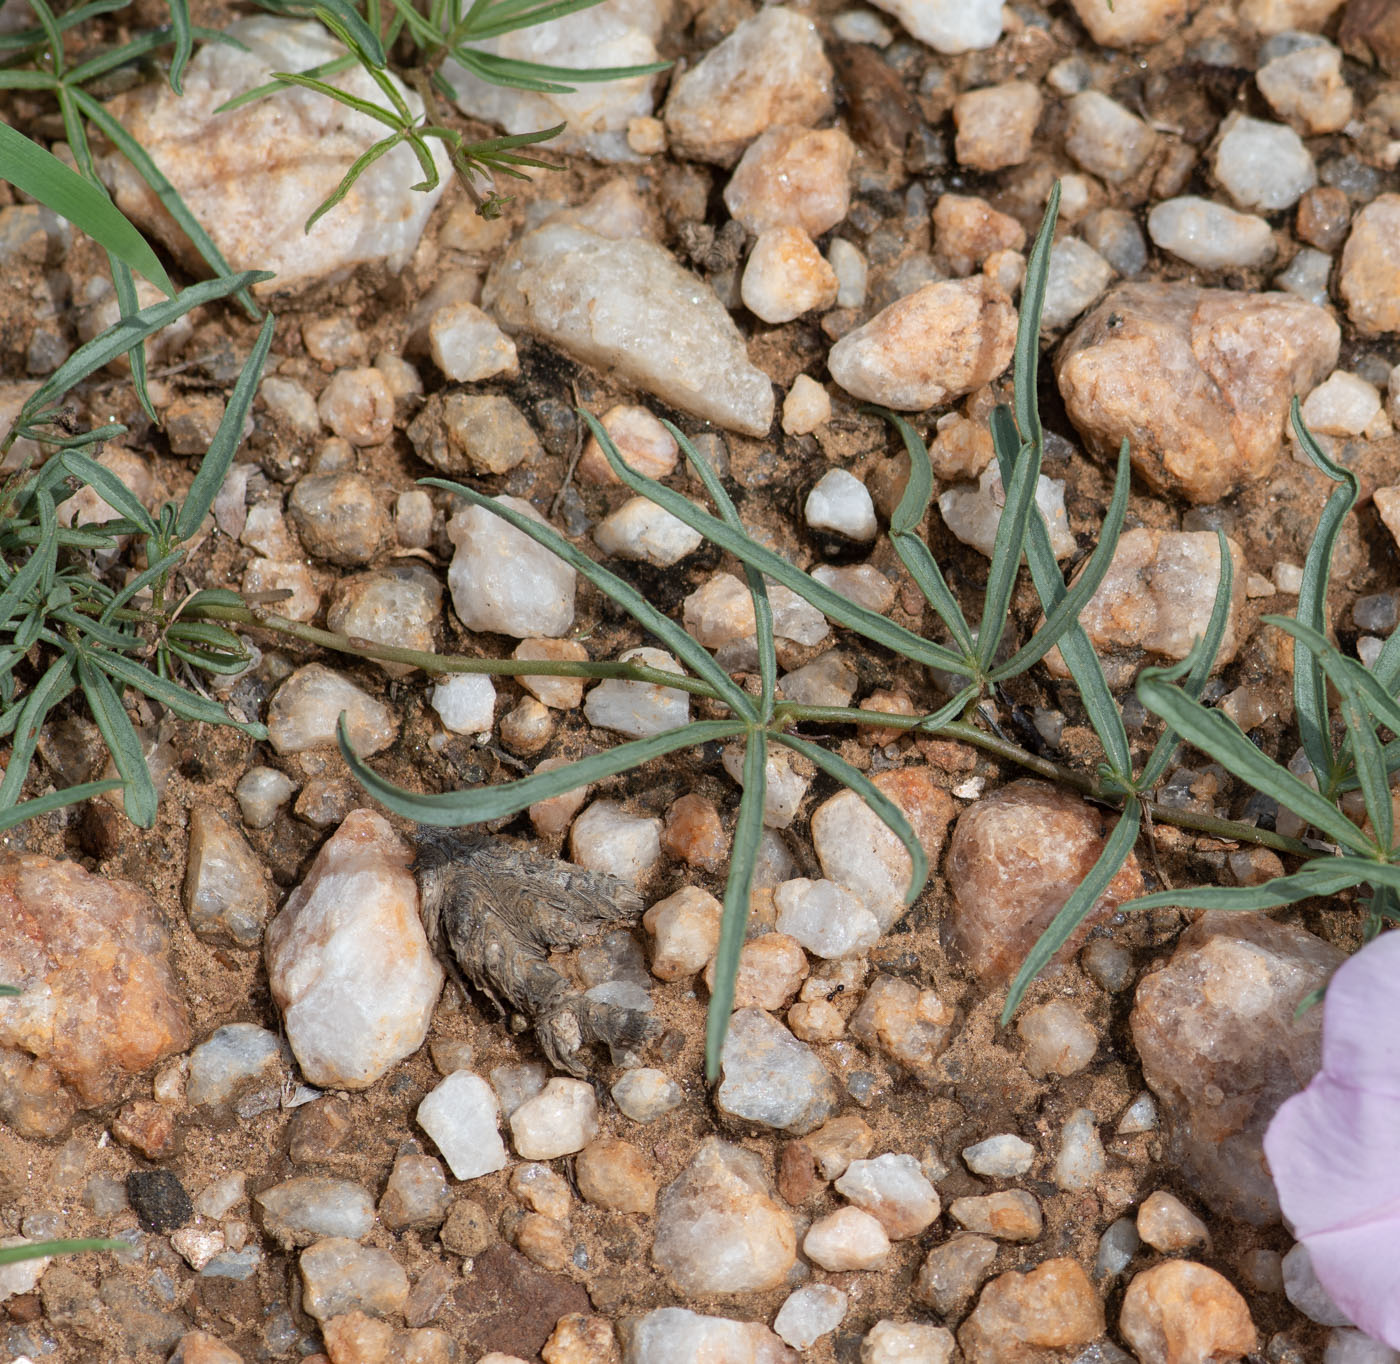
(331, 68)
(139, 584)
(186, 704)
(1386, 668)
(690, 652)
(109, 487)
(1026, 362)
(361, 163)
(55, 800)
(1220, 738)
(52, 32)
(483, 803)
(743, 855)
(139, 796)
(1194, 683)
(122, 335)
(1085, 896)
(762, 607)
(831, 604)
(1012, 529)
(890, 814)
(351, 101)
(1309, 690)
(913, 552)
(42, 176)
(1325, 876)
(38, 567)
(38, 1249)
(214, 467)
(1362, 697)
(184, 43)
(124, 284)
(357, 34)
(1066, 614)
(50, 689)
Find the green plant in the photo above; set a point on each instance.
(64, 627)
(764, 720)
(1355, 857)
(446, 31)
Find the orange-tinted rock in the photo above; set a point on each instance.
(911, 1026)
(1183, 1313)
(614, 1174)
(1198, 380)
(694, 833)
(1222, 1046)
(147, 1127)
(968, 229)
(199, 1347)
(1370, 277)
(771, 971)
(1014, 860)
(1053, 1307)
(99, 1003)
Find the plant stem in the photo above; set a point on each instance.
(785, 713)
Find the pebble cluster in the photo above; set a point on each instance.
(329, 1154)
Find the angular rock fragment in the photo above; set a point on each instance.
(627, 307)
(1370, 276)
(347, 961)
(1197, 380)
(1222, 1045)
(226, 897)
(1156, 599)
(1015, 858)
(1181, 1310)
(98, 1001)
(1052, 1307)
(718, 1227)
(770, 1078)
(929, 347)
(770, 70)
(595, 113)
(501, 910)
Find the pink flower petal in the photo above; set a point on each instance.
(1334, 1149)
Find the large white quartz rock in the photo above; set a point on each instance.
(948, 25)
(348, 962)
(615, 33)
(253, 175)
(627, 307)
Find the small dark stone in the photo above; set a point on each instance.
(159, 1200)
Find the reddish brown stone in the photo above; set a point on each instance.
(100, 1002)
(147, 1127)
(1371, 32)
(797, 1173)
(507, 1304)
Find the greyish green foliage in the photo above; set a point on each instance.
(62, 626)
(761, 721)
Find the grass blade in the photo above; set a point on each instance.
(50, 689)
(1195, 680)
(38, 566)
(184, 44)
(139, 796)
(1026, 361)
(831, 604)
(214, 467)
(331, 68)
(1012, 528)
(43, 805)
(42, 176)
(758, 590)
(1309, 690)
(186, 704)
(38, 1249)
(1218, 736)
(452, 808)
(1325, 876)
(890, 813)
(122, 335)
(362, 39)
(109, 487)
(743, 854)
(913, 552)
(690, 652)
(1116, 849)
(1064, 616)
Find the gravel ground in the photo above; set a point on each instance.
(238, 1049)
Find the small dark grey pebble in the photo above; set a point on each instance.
(159, 1200)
